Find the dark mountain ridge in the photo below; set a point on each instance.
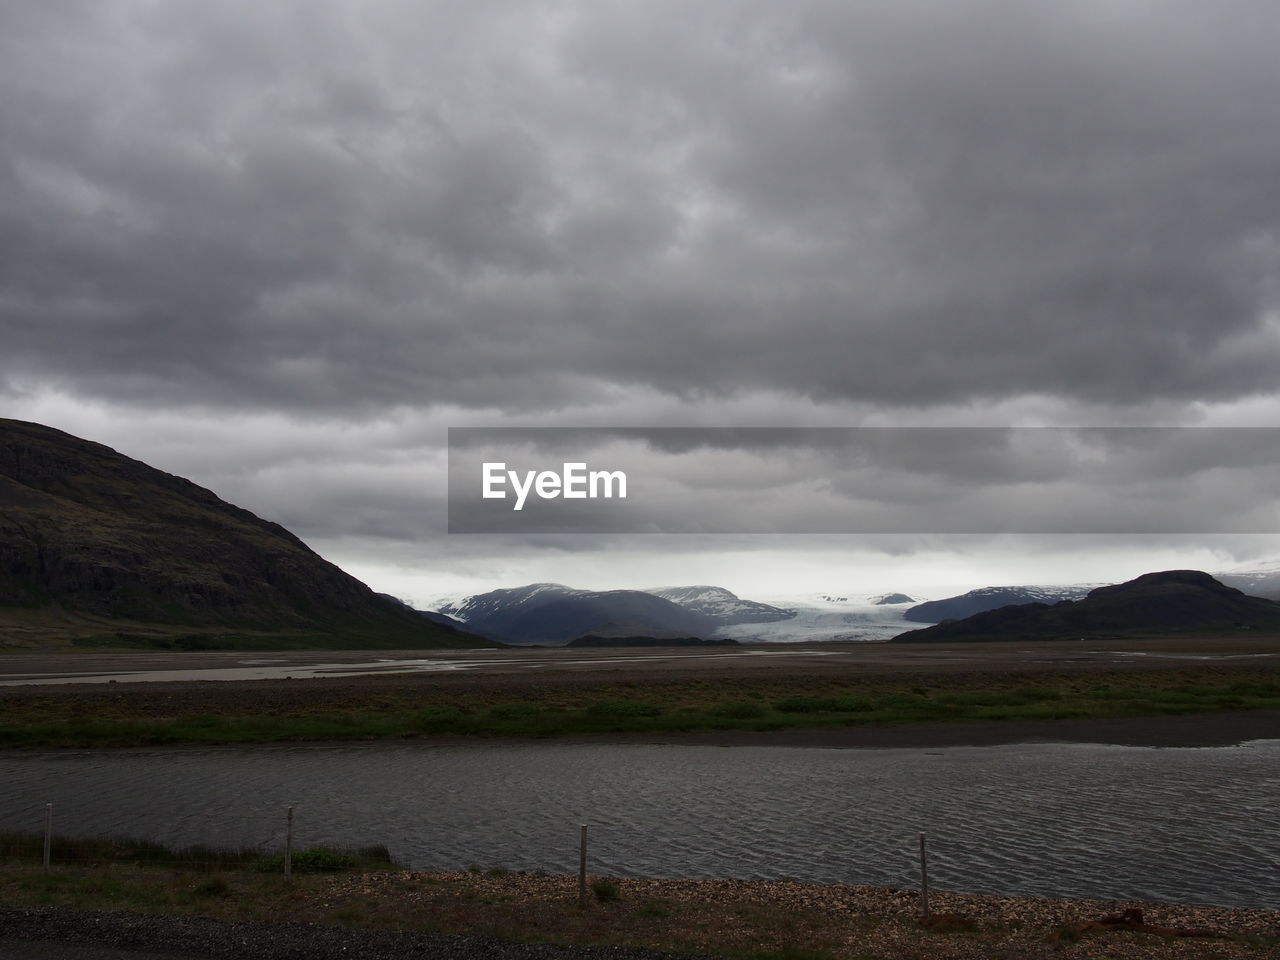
(1154, 604)
(87, 531)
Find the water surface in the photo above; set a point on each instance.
(1193, 825)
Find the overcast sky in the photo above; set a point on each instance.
(280, 246)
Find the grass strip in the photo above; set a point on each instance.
(634, 709)
(18, 848)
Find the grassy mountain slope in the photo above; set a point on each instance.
(93, 539)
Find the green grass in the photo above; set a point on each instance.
(675, 707)
(605, 890)
(99, 851)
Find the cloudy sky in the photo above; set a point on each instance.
(281, 247)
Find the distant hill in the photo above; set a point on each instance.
(554, 613)
(1156, 604)
(991, 598)
(721, 605)
(892, 599)
(115, 550)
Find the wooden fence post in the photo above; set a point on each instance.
(924, 878)
(288, 846)
(48, 833)
(582, 868)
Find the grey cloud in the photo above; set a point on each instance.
(369, 495)
(361, 206)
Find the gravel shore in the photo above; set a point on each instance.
(843, 899)
(856, 922)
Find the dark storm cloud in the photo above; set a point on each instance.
(356, 206)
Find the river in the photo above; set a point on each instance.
(1189, 825)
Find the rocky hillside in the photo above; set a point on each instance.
(87, 531)
(1172, 602)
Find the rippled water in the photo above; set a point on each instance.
(1186, 825)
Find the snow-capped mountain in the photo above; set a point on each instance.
(992, 598)
(721, 605)
(552, 613)
(1258, 579)
(483, 605)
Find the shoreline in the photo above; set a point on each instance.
(900, 902)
